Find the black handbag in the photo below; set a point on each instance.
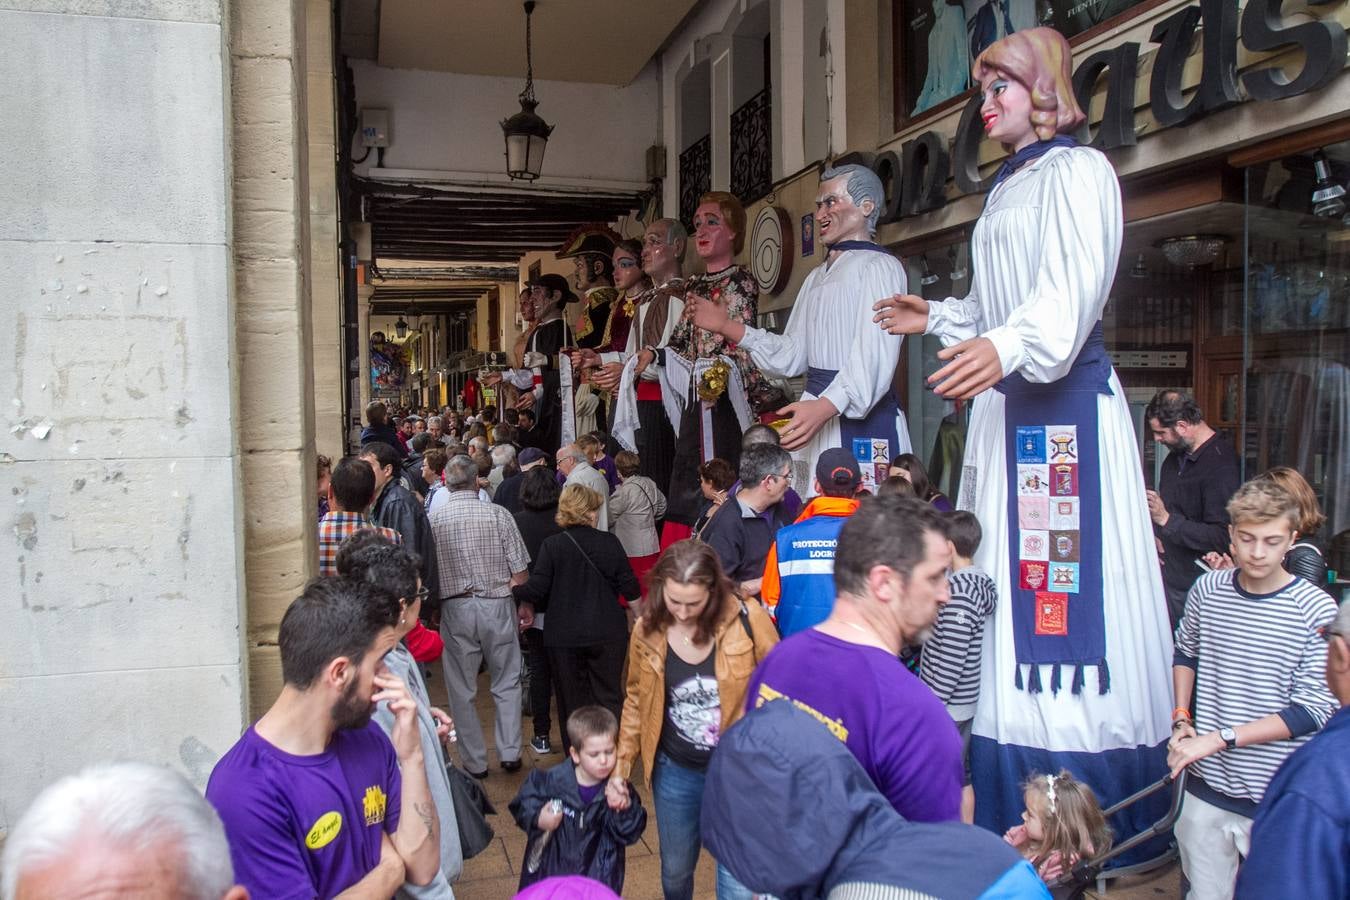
(471, 811)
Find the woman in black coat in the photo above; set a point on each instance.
(537, 496)
(577, 579)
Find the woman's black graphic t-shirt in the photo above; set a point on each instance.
(693, 719)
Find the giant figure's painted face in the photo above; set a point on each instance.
(658, 257)
(839, 218)
(714, 238)
(1006, 110)
(627, 270)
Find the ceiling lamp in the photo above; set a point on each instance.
(1328, 197)
(526, 133)
(400, 329)
(1192, 250)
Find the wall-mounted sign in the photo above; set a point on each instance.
(916, 177)
(808, 235)
(771, 250)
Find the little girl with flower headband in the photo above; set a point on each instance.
(1061, 825)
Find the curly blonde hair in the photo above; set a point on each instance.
(1039, 59)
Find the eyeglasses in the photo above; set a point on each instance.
(422, 594)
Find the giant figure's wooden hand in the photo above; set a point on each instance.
(902, 314)
(808, 417)
(974, 368)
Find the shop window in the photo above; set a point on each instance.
(937, 427)
(1245, 304)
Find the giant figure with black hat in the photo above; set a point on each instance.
(539, 378)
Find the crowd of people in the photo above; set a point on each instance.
(830, 677)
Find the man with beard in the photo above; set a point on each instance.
(890, 579)
(315, 798)
(1189, 509)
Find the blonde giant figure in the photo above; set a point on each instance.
(1076, 664)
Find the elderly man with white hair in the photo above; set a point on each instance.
(830, 338)
(119, 830)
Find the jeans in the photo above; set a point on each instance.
(677, 793)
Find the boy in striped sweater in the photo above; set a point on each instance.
(950, 663)
(1249, 656)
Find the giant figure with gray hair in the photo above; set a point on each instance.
(830, 338)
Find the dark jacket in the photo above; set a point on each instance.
(507, 494)
(589, 841)
(790, 812)
(385, 434)
(1301, 833)
(581, 597)
(1195, 487)
(398, 509)
(412, 470)
(536, 525)
(1307, 562)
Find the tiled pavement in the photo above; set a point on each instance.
(494, 873)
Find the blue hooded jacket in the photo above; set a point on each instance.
(789, 812)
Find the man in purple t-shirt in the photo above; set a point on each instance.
(311, 796)
(890, 578)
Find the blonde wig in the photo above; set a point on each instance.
(1040, 59)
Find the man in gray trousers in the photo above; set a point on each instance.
(481, 557)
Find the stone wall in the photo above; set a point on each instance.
(121, 574)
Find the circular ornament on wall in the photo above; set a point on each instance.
(771, 249)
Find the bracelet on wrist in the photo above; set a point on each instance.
(1182, 712)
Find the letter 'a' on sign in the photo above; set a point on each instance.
(1323, 43)
(1218, 68)
(1121, 64)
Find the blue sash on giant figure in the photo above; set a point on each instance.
(1054, 520)
(877, 425)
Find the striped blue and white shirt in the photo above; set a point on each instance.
(950, 663)
(1255, 655)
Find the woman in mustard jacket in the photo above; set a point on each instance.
(689, 663)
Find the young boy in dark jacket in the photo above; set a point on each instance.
(572, 828)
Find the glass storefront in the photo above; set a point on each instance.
(1243, 302)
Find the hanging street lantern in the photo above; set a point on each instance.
(526, 133)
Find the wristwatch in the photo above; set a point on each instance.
(1229, 738)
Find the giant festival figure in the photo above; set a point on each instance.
(1077, 663)
(707, 380)
(849, 364)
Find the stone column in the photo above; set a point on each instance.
(122, 568)
(272, 298)
(330, 376)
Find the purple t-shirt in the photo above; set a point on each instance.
(307, 826)
(589, 792)
(888, 718)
